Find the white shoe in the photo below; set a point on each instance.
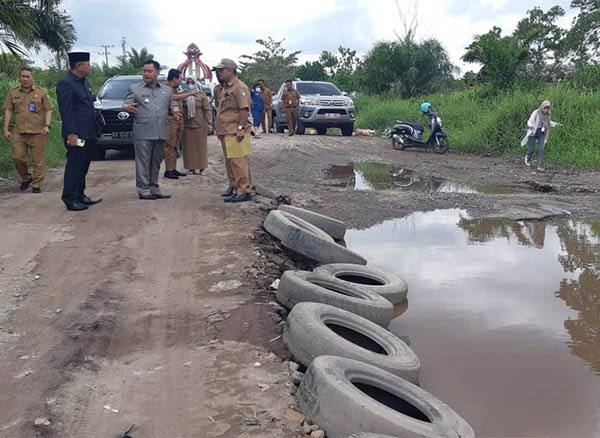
(540, 169)
(527, 161)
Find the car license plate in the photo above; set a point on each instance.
(122, 135)
(332, 116)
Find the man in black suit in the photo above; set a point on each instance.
(80, 129)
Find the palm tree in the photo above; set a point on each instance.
(30, 24)
(136, 59)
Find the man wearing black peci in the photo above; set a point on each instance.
(80, 129)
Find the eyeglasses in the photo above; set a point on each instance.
(546, 107)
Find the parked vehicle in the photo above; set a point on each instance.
(117, 125)
(322, 106)
(406, 134)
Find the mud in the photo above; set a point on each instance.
(154, 314)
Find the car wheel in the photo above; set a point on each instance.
(307, 287)
(314, 329)
(321, 130)
(279, 128)
(99, 155)
(344, 396)
(347, 129)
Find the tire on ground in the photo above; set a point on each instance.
(370, 435)
(308, 240)
(388, 285)
(314, 330)
(302, 286)
(333, 227)
(345, 396)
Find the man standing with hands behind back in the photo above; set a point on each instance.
(290, 99)
(267, 116)
(150, 102)
(80, 129)
(33, 114)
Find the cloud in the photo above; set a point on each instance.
(311, 27)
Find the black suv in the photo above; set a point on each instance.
(118, 124)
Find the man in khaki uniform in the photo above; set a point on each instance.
(232, 121)
(33, 114)
(175, 126)
(290, 101)
(267, 116)
(216, 94)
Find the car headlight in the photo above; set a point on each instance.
(349, 103)
(308, 102)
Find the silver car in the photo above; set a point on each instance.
(322, 106)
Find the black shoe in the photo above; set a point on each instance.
(36, 190)
(76, 206)
(160, 196)
(88, 201)
(178, 173)
(171, 175)
(25, 184)
(229, 192)
(290, 134)
(239, 198)
(147, 197)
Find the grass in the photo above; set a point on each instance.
(496, 125)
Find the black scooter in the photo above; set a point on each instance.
(407, 134)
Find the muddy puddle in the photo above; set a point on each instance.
(505, 317)
(381, 176)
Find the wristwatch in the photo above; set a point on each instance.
(240, 127)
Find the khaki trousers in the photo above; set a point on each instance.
(268, 117)
(291, 114)
(175, 135)
(37, 144)
(238, 172)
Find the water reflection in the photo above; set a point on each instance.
(380, 176)
(580, 259)
(527, 233)
(494, 340)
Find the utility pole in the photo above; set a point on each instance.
(106, 53)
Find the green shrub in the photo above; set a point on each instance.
(496, 124)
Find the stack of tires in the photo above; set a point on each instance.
(361, 379)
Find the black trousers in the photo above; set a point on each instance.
(76, 169)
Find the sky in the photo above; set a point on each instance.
(230, 29)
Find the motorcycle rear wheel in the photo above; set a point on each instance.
(399, 146)
(441, 145)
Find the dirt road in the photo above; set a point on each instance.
(157, 313)
(136, 312)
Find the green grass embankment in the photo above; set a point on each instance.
(496, 124)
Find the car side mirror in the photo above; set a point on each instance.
(344, 93)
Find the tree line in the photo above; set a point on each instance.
(537, 51)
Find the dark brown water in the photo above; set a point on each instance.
(381, 176)
(505, 317)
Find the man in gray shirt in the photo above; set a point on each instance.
(150, 102)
